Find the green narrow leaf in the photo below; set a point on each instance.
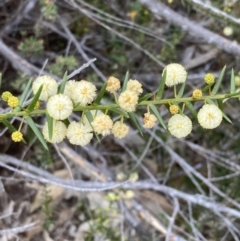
(209, 101)
(156, 112)
(207, 87)
(226, 118)
(89, 116)
(161, 86)
(145, 97)
(63, 83)
(25, 92)
(220, 104)
(124, 87)
(191, 109)
(135, 121)
(50, 126)
(10, 127)
(218, 82)
(37, 132)
(180, 92)
(233, 87)
(101, 94)
(35, 99)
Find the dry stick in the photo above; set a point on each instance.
(169, 235)
(190, 169)
(83, 186)
(120, 22)
(20, 229)
(80, 49)
(18, 16)
(161, 10)
(215, 11)
(17, 62)
(137, 46)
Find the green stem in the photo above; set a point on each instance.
(114, 106)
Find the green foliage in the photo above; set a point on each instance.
(48, 9)
(62, 64)
(31, 46)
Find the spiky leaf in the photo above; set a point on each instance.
(161, 86)
(181, 91)
(50, 126)
(89, 116)
(219, 81)
(35, 99)
(36, 131)
(63, 83)
(191, 109)
(101, 94)
(145, 97)
(135, 122)
(124, 87)
(232, 87)
(25, 92)
(156, 112)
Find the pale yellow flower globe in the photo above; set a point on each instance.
(120, 130)
(59, 107)
(180, 125)
(113, 84)
(85, 120)
(176, 74)
(69, 89)
(84, 93)
(135, 86)
(209, 116)
(149, 120)
(50, 86)
(102, 124)
(128, 100)
(59, 132)
(79, 134)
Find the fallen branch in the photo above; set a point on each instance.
(162, 11)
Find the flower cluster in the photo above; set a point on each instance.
(81, 96)
(76, 94)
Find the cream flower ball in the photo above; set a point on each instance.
(70, 87)
(59, 107)
(102, 124)
(84, 93)
(94, 113)
(128, 100)
(176, 74)
(180, 125)
(135, 86)
(120, 130)
(50, 86)
(79, 134)
(59, 132)
(209, 116)
(149, 120)
(113, 84)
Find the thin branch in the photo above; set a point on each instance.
(20, 229)
(83, 186)
(217, 12)
(162, 11)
